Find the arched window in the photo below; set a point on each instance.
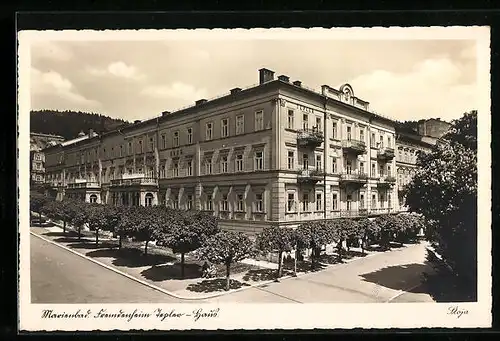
(93, 199)
(149, 199)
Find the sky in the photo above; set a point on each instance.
(402, 79)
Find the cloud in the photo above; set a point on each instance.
(177, 90)
(117, 69)
(50, 50)
(52, 85)
(431, 89)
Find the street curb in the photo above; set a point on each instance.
(152, 286)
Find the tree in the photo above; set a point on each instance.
(97, 219)
(226, 247)
(386, 226)
(148, 223)
(367, 229)
(444, 191)
(64, 210)
(37, 200)
(185, 231)
(112, 216)
(80, 216)
(313, 235)
(275, 238)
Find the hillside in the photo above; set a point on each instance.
(69, 123)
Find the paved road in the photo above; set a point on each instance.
(59, 276)
(389, 277)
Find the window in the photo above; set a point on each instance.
(224, 129)
(190, 135)
(318, 123)
(373, 142)
(121, 150)
(239, 162)
(163, 141)
(305, 161)
(290, 205)
(305, 122)
(334, 126)
(381, 143)
(348, 133)
(291, 124)
(258, 203)
(389, 173)
(240, 203)
(240, 124)
(38, 157)
(190, 168)
(334, 201)
(291, 160)
(149, 199)
(305, 202)
(189, 202)
(348, 166)
(223, 203)
(361, 201)
(381, 200)
(176, 139)
(389, 141)
(389, 204)
(162, 171)
(175, 204)
(319, 201)
(318, 163)
(361, 135)
(208, 205)
(373, 169)
(362, 168)
(208, 166)
(334, 165)
(208, 131)
(348, 202)
(151, 144)
(259, 161)
(140, 147)
(176, 169)
(259, 120)
(400, 152)
(223, 164)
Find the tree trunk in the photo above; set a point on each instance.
(182, 265)
(146, 247)
(348, 244)
(96, 237)
(280, 265)
(228, 273)
(64, 226)
(120, 236)
(363, 241)
(80, 232)
(339, 250)
(40, 219)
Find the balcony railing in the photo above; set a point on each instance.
(385, 153)
(310, 137)
(310, 175)
(354, 146)
(383, 210)
(86, 184)
(386, 181)
(362, 212)
(136, 181)
(354, 177)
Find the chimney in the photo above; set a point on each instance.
(284, 78)
(297, 83)
(235, 90)
(200, 101)
(165, 113)
(265, 75)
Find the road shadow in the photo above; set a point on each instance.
(90, 245)
(394, 277)
(68, 234)
(167, 272)
(303, 266)
(215, 285)
(130, 258)
(263, 275)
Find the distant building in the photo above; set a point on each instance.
(433, 127)
(38, 142)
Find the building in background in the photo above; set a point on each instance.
(433, 127)
(277, 152)
(38, 142)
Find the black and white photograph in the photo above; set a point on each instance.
(254, 179)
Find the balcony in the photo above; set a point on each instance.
(385, 154)
(140, 181)
(384, 210)
(84, 185)
(310, 176)
(310, 138)
(353, 177)
(386, 181)
(353, 146)
(362, 212)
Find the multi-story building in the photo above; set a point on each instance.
(409, 145)
(277, 152)
(433, 127)
(38, 142)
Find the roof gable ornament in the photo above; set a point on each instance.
(346, 93)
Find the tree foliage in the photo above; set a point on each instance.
(274, 238)
(444, 190)
(226, 247)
